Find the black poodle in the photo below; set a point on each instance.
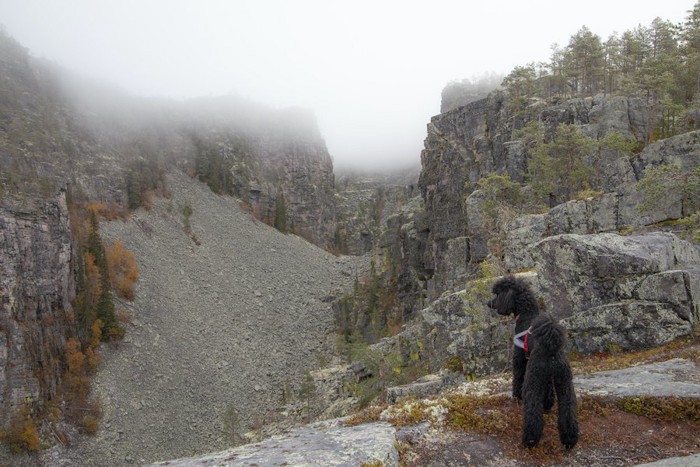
(540, 368)
(513, 296)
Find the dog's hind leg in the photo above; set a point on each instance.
(549, 398)
(566, 402)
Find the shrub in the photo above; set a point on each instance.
(662, 408)
(23, 434)
(123, 270)
(90, 424)
(116, 333)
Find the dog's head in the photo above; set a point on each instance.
(504, 302)
(512, 297)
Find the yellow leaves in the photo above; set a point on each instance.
(75, 359)
(123, 270)
(109, 211)
(23, 435)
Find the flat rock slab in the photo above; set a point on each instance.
(687, 461)
(325, 443)
(677, 377)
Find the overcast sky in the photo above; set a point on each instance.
(372, 71)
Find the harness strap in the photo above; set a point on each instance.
(520, 340)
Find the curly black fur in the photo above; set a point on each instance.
(513, 296)
(548, 368)
(546, 372)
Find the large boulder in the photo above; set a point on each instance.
(632, 292)
(628, 325)
(578, 272)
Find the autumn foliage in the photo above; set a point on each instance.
(76, 383)
(111, 211)
(23, 434)
(123, 270)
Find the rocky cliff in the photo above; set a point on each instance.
(57, 130)
(114, 148)
(365, 202)
(598, 263)
(36, 292)
(466, 144)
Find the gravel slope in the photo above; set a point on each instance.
(219, 325)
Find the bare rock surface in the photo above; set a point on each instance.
(326, 443)
(685, 461)
(677, 377)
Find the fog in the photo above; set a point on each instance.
(371, 71)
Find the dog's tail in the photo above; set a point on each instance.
(551, 338)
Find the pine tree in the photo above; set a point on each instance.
(691, 52)
(612, 56)
(584, 61)
(280, 213)
(104, 310)
(561, 163)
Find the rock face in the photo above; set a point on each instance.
(466, 144)
(36, 294)
(579, 272)
(296, 171)
(108, 144)
(610, 291)
(364, 206)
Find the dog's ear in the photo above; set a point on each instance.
(505, 302)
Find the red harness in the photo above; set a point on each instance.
(521, 339)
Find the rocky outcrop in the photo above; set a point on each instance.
(36, 294)
(579, 272)
(610, 291)
(457, 332)
(467, 143)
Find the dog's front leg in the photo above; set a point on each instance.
(519, 367)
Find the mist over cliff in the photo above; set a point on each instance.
(183, 275)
